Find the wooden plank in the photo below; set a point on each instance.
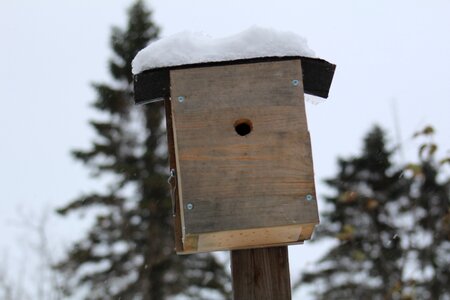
(247, 238)
(173, 166)
(181, 206)
(239, 182)
(261, 274)
(153, 84)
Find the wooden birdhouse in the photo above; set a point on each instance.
(240, 152)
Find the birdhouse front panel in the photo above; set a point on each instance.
(243, 156)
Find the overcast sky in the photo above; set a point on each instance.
(388, 54)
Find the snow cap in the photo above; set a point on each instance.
(187, 48)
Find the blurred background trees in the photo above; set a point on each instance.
(391, 225)
(129, 251)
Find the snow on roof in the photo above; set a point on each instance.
(190, 48)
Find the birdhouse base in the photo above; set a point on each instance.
(247, 238)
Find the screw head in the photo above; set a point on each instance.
(309, 197)
(190, 206)
(295, 82)
(180, 99)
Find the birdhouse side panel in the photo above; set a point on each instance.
(173, 184)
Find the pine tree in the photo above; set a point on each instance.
(429, 207)
(392, 224)
(366, 262)
(129, 251)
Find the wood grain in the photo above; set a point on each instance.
(261, 274)
(173, 166)
(242, 182)
(247, 238)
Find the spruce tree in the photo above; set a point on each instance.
(128, 253)
(429, 208)
(366, 262)
(392, 227)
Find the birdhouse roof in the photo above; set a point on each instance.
(152, 64)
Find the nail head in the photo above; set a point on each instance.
(309, 197)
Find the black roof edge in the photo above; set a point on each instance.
(155, 83)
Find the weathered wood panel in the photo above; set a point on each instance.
(238, 182)
(261, 274)
(173, 166)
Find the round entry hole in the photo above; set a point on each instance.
(243, 127)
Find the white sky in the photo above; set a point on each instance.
(50, 52)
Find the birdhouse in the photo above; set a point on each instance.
(240, 152)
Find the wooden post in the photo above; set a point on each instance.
(261, 274)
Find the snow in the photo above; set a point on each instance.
(190, 48)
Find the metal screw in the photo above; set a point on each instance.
(309, 197)
(190, 206)
(180, 99)
(295, 82)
